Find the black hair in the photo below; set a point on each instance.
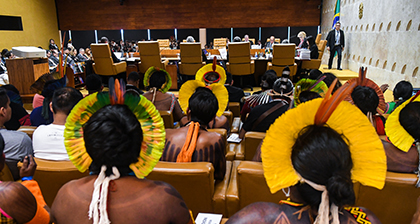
(329, 79)
(268, 79)
(3, 97)
(203, 105)
(315, 74)
(64, 99)
(311, 40)
(104, 39)
(403, 91)
(4, 51)
(93, 83)
(228, 78)
(285, 69)
(305, 96)
(8, 54)
(133, 76)
(113, 137)
(410, 119)
(321, 155)
(157, 79)
(283, 85)
(365, 98)
(1, 144)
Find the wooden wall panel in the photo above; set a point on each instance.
(185, 14)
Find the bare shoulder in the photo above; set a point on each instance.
(259, 212)
(18, 201)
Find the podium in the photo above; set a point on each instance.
(23, 72)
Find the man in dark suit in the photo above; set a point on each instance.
(335, 43)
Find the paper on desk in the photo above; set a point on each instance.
(234, 137)
(208, 218)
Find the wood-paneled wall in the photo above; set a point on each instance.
(185, 14)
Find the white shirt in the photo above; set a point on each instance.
(48, 142)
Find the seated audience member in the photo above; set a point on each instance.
(329, 79)
(20, 116)
(94, 84)
(317, 160)
(121, 147)
(88, 53)
(81, 57)
(52, 45)
(104, 40)
(220, 121)
(402, 145)
(246, 39)
(53, 60)
(402, 91)
(73, 55)
(235, 94)
(157, 82)
(133, 81)
(48, 140)
(262, 116)
(22, 202)
(17, 144)
(262, 97)
(192, 143)
(312, 47)
(43, 114)
(67, 57)
(313, 85)
(366, 99)
(306, 96)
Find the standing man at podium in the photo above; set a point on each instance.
(335, 43)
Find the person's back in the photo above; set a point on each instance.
(158, 82)
(116, 190)
(193, 142)
(127, 199)
(48, 140)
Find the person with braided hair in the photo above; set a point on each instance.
(314, 153)
(193, 143)
(158, 81)
(119, 137)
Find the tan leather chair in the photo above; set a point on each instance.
(318, 38)
(163, 44)
(29, 130)
(191, 60)
(168, 119)
(247, 185)
(235, 107)
(103, 61)
(219, 43)
(229, 116)
(195, 182)
(252, 140)
(150, 56)
(5, 174)
(240, 63)
(283, 55)
(396, 202)
(315, 63)
(52, 175)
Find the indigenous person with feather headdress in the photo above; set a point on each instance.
(314, 153)
(119, 137)
(158, 81)
(208, 75)
(193, 143)
(402, 145)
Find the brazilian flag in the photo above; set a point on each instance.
(336, 13)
